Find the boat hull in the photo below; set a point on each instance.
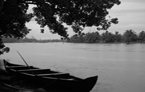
(65, 83)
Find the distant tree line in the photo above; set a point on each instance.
(129, 36)
(14, 40)
(22, 40)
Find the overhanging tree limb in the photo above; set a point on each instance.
(54, 14)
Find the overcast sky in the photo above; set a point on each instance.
(130, 14)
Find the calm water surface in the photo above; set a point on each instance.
(120, 67)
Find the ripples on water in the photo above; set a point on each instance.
(120, 67)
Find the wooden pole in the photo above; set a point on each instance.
(26, 63)
(23, 59)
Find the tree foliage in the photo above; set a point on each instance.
(117, 37)
(54, 14)
(75, 13)
(129, 36)
(141, 36)
(107, 37)
(92, 37)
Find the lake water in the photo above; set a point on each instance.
(120, 67)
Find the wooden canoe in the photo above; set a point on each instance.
(51, 81)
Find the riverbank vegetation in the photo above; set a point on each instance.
(129, 36)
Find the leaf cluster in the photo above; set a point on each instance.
(13, 18)
(75, 13)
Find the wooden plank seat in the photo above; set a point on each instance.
(56, 75)
(37, 71)
(53, 74)
(62, 76)
(49, 74)
(19, 67)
